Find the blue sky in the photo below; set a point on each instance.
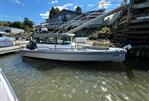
(37, 10)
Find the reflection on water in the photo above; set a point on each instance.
(44, 80)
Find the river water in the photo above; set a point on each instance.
(45, 80)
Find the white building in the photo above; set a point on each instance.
(11, 30)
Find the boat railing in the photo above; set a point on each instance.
(62, 49)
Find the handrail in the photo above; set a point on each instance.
(98, 17)
(71, 21)
(84, 49)
(62, 49)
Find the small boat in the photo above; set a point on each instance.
(6, 41)
(6, 91)
(65, 50)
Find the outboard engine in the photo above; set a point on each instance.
(127, 47)
(1, 35)
(31, 45)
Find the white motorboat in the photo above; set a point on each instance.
(6, 41)
(6, 91)
(69, 52)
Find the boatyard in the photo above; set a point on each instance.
(76, 51)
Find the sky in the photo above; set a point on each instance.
(37, 10)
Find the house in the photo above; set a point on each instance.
(65, 16)
(11, 30)
(61, 18)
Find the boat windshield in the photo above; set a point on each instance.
(58, 40)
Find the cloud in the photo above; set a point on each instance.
(104, 4)
(75, 7)
(45, 15)
(64, 6)
(17, 2)
(54, 1)
(90, 5)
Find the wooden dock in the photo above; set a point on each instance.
(11, 49)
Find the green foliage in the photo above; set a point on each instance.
(105, 30)
(28, 23)
(57, 10)
(5, 23)
(78, 9)
(17, 24)
(26, 28)
(53, 11)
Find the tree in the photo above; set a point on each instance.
(78, 9)
(57, 10)
(17, 24)
(28, 23)
(5, 23)
(26, 28)
(53, 11)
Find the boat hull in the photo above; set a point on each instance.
(6, 91)
(77, 56)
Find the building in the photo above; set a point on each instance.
(70, 20)
(11, 30)
(65, 16)
(61, 18)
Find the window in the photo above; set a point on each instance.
(60, 17)
(64, 18)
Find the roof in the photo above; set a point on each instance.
(70, 11)
(54, 35)
(101, 10)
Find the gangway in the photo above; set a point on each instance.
(97, 18)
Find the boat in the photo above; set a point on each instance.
(6, 41)
(6, 91)
(52, 45)
(65, 50)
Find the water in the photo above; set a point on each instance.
(44, 80)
